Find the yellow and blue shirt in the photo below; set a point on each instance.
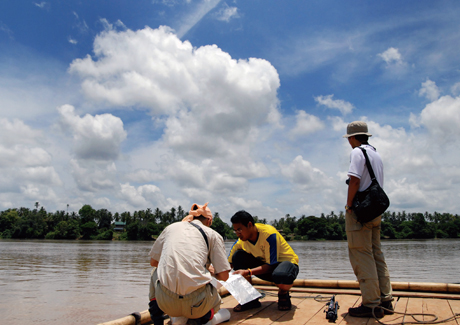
(270, 247)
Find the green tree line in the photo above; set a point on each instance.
(89, 223)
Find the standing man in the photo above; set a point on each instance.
(364, 248)
(180, 284)
(261, 251)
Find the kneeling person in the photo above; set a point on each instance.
(180, 283)
(263, 252)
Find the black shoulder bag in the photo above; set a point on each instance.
(204, 235)
(202, 232)
(371, 203)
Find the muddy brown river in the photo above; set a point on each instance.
(88, 282)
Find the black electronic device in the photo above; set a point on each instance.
(331, 310)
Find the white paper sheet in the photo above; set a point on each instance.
(240, 289)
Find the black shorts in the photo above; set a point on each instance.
(284, 273)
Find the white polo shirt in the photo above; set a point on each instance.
(358, 166)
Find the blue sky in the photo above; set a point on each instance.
(133, 105)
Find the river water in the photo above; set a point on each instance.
(89, 282)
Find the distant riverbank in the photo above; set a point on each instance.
(91, 224)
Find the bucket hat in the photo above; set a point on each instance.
(355, 128)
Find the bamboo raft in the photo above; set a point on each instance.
(441, 299)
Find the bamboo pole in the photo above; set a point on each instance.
(348, 284)
(358, 292)
(130, 319)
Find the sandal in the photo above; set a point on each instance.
(284, 301)
(249, 305)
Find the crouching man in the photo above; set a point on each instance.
(180, 283)
(263, 252)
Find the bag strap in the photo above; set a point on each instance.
(202, 232)
(368, 164)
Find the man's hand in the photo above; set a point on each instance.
(263, 269)
(211, 269)
(245, 273)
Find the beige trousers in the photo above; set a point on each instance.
(367, 260)
(194, 305)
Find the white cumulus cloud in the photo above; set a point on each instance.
(306, 177)
(455, 89)
(215, 110)
(153, 68)
(442, 118)
(142, 197)
(95, 137)
(429, 90)
(25, 162)
(391, 56)
(306, 124)
(91, 176)
(17, 132)
(343, 106)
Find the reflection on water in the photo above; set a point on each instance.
(88, 282)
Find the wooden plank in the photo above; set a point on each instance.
(414, 306)
(248, 316)
(438, 307)
(302, 311)
(308, 311)
(400, 306)
(344, 301)
(228, 302)
(349, 320)
(455, 307)
(267, 315)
